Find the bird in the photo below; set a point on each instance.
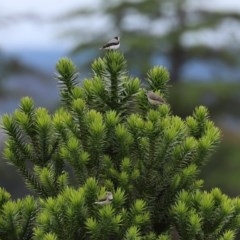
(106, 200)
(154, 99)
(113, 44)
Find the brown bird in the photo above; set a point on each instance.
(154, 99)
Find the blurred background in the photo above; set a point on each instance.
(198, 41)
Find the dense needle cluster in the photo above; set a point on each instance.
(113, 162)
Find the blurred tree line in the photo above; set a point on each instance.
(178, 31)
(172, 33)
(9, 63)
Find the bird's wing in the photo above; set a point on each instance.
(113, 41)
(110, 197)
(102, 199)
(155, 97)
(101, 202)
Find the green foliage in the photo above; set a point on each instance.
(67, 78)
(202, 215)
(4, 197)
(33, 146)
(108, 137)
(111, 88)
(158, 78)
(17, 218)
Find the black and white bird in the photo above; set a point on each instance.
(154, 99)
(113, 44)
(106, 200)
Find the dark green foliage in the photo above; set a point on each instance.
(108, 137)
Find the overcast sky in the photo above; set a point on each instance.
(16, 34)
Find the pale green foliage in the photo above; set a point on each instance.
(108, 137)
(33, 140)
(17, 218)
(202, 215)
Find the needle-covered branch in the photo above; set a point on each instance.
(114, 162)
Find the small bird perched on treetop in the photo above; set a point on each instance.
(154, 99)
(113, 44)
(108, 199)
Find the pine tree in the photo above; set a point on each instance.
(107, 137)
